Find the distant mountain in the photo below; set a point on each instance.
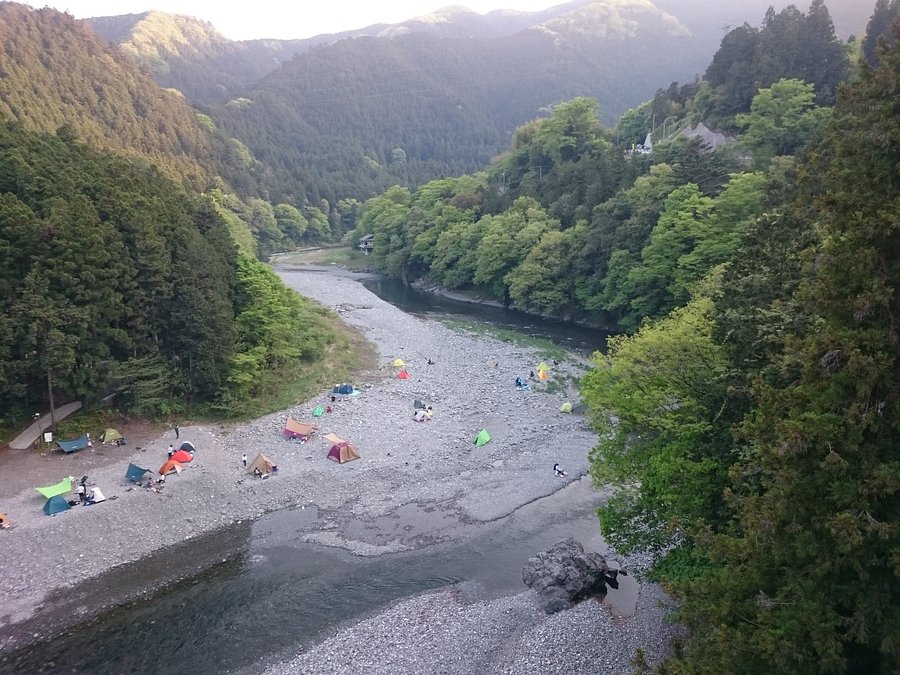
(188, 54)
(351, 118)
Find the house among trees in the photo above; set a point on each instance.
(366, 243)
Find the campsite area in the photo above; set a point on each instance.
(414, 483)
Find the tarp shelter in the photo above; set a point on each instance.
(263, 463)
(181, 456)
(110, 435)
(565, 407)
(341, 451)
(298, 430)
(345, 389)
(482, 438)
(402, 375)
(71, 446)
(61, 488)
(170, 467)
(56, 504)
(134, 473)
(319, 411)
(97, 495)
(418, 405)
(187, 446)
(398, 363)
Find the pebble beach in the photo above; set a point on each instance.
(406, 470)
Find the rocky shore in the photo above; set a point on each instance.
(426, 472)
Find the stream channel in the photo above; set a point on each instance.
(275, 595)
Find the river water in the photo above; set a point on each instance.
(275, 595)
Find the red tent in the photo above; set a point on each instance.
(182, 456)
(402, 375)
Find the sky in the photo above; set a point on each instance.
(243, 20)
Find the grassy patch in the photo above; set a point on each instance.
(342, 256)
(545, 348)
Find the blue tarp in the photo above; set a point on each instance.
(55, 505)
(72, 446)
(134, 473)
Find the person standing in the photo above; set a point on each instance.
(176, 432)
(171, 451)
(244, 460)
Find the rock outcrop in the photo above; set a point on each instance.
(564, 574)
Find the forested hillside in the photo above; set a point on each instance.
(56, 72)
(114, 278)
(605, 235)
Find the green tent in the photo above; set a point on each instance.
(61, 488)
(110, 435)
(482, 438)
(565, 407)
(543, 366)
(319, 411)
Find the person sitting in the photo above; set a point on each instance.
(557, 470)
(430, 362)
(420, 415)
(328, 408)
(257, 472)
(519, 382)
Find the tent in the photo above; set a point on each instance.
(61, 488)
(97, 495)
(341, 451)
(263, 463)
(402, 375)
(298, 430)
(56, 504)
(543, 375)
(398, 363)
(181, 456)
(4, 521)
(134, 473)
(579, 409)
(71, 446)
(543, 366)
(187, 446)
(319, 411)
(170, 467)
(565, 407)
(418, 405)
(482, 438)
(345, 389)
(110, 435)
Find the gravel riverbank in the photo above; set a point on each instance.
(415, 484)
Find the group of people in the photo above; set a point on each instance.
(87, 496)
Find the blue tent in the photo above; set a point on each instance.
(134, 473)
(56, 504)
(71, 446)
(345, 389)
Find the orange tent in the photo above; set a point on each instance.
(181, 456)
(170, 467)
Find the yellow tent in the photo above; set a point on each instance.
(398, 363)
(543, 366)
(543, 375)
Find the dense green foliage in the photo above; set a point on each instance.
(114, 278)
(762, 459)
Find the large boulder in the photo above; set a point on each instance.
(564, 574)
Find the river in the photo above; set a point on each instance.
(274, 595)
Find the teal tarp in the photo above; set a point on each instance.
(71, 446)
(134, 473)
